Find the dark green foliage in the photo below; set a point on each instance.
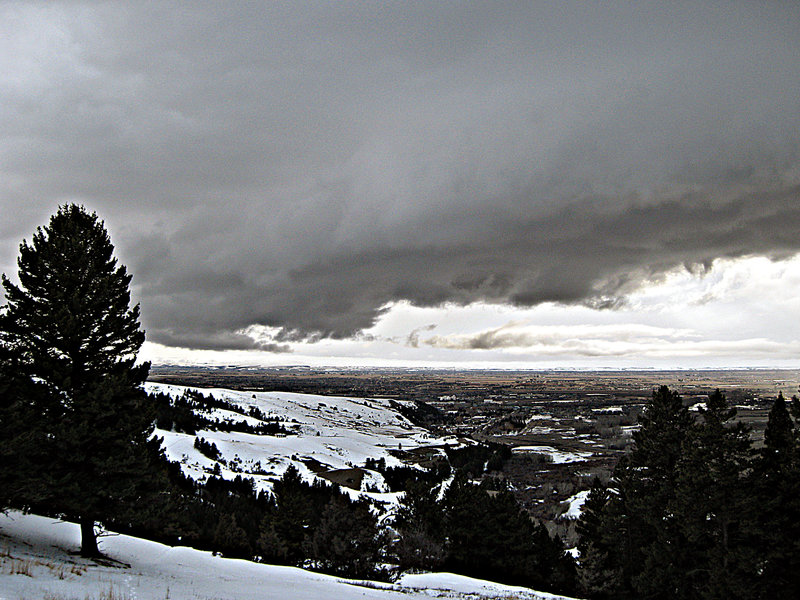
(375, 464)
(317, 522)
(488, 535)
(399, 478)
(694, 513)
(794, 407)
(497, 460)
(779, 439)
(713, 504)
(200, 514)
(177, 414)
(207, 449)
(299, 507)
(230, 539)
(420, 523)
(631, 538)
(419, 413)
(22, 447)
(69, 328)
(70, 319)
(293, 526)
(347, 541)
(480, 533)
(479, 458)
(600, 571)
(285, 529)
(185, 414)
(650, 536)
(595, 577)
(777, 483)
(590, 523)
(664, 426)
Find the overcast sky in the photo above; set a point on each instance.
(540, 184)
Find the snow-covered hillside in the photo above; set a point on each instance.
(325, 437)
(38, 560)
(331, 434)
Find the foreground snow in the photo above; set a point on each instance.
(38, 560)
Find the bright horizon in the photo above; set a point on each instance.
(653, 333)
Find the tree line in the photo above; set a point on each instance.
(696, 510)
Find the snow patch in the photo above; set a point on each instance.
(576, 503)
(558, 456)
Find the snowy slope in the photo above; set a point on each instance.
(333, 433)
(576, 503)
(37, 560)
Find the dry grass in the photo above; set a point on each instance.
(112, 594)
(25, 566)
(108, 594)
(21, 567)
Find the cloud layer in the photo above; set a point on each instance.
(301, 167)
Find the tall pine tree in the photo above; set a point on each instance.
(638, 537)
(347, 541)
(69, 332)
(713, 504)
(419, 521)
(776, 486)
(599, 544)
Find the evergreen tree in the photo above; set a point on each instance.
(779, 438)
(638, 519)
(419, 522)
(691, 514)
(284, 531)
(69, 330)
(347, 541)
(467, 530)
(490, 536)
(589, 525)
(598, 544)
(230, 538)
(712, 504)
(20, 446)
(287, 530)
(776, 484)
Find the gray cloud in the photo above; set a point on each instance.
(413, 337)
(200, 339)
(301, 166)
(621, 341)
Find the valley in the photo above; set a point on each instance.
(561, 429)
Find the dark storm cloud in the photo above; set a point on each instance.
(300, 166)
(199, 339)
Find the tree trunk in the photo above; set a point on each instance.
(88, 539)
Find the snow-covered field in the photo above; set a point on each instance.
(38, 561)
(333, 433)
(557, 456)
